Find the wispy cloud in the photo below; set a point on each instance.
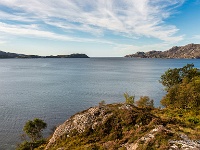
(130, 18)
(130, 49)
(29, 30)
(196, 37)
(33, 31)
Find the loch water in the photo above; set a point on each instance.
(55, 89)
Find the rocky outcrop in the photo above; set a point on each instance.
(190, 51)
(117, 126)
(80, 122)
(183, 144)
(98, 118)
(146, 138)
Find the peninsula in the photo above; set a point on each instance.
(190, 51)
(15, 55)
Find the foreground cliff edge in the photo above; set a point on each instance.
(123, 126)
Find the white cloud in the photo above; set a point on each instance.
(131, 49)
(197, 37)
(32, 31)
(132, 18)
(28, 30)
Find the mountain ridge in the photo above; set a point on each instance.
(189, 51)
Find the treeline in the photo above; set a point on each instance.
(183, 88)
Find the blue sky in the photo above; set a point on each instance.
(98, 28)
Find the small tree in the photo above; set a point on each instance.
(102, 103)
(145, 101)
(34, 129)
(185, 95)
(175, 76)
(129, 99)
(183, 88)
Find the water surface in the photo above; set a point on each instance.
(55, 89)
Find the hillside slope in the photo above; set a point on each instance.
(8, 55)
(124, 127)
(190, 51)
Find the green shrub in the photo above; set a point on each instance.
(194, 120)
(184, 96)
(30, 145)
(33, 129)
(145, 101)
(175, 76)
(129, 99)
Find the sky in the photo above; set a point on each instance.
(98, 28)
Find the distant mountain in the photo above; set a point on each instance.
(69, 56)
(14, 55)
(8, 55)
(190, 51)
